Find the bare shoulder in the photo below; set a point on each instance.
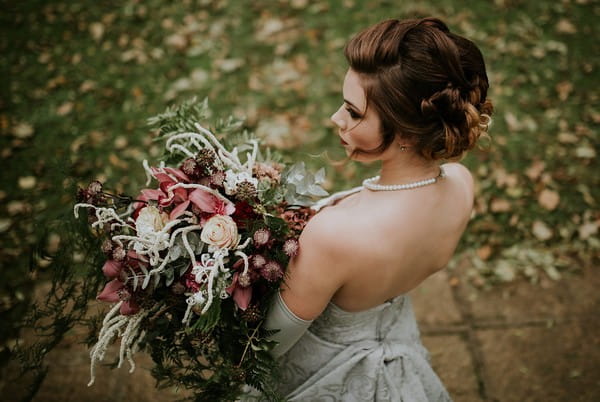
(459, 172)
(321, 266)
(328, 235)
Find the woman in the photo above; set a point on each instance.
(414, 94)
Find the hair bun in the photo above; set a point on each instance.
(460, 123)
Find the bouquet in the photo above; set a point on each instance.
(193, 261)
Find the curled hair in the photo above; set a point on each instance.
(427, 85)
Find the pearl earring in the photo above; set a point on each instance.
(403, 147)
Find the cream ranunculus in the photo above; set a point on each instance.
(150, 220)
(220, 231)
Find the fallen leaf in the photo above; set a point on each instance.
(484, 252)
(564, 89)
(4, 225)
(64, 109)
(567, 138)
(229, 65)
(565, 26)
(96, 30)
(541, 231)
(500, 205)
(53, 243)
(549, 199)
(23, 130)
(176, 41)
(17, 207)
(87, 86)
(27, 182)
(535, 170)
(587, 229)
(585, 152)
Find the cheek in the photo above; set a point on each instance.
(366, 136)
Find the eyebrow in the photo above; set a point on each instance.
(353, 105)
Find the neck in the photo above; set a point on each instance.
(407, 168)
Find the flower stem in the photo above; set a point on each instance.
(250, 339)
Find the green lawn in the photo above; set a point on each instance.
(80, 78)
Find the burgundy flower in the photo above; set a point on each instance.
(116, 291)
(243, 213)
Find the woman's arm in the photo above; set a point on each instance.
(312, 279)
(318, 271)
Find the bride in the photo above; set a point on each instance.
(414, 95)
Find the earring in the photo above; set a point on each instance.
(403, 147)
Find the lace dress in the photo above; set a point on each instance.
(371, 355)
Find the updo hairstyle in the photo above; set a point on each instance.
(427, 85)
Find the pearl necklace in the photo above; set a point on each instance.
(370, 183)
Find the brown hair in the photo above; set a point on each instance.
(427, 85)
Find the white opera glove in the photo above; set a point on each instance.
(290, 325)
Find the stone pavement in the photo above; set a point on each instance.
(516, 342)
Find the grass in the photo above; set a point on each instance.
(80, 78)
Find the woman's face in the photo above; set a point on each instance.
(359, 127)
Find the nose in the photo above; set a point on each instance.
(338, 120)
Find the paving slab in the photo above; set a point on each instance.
(69, 375)
(433, 302)
(452, 362)
(575, 294)
(558, 363)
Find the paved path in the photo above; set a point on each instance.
(517, 342)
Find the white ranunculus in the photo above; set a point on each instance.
(232, 179)
(150, 220)
(220, 231)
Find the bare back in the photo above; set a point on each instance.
(397, 239)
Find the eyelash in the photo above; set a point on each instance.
(352, 113)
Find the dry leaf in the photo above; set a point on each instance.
(4, 225)
(564, 89)
(27, 182)
(177, 41)
(567, 138)
(535, 170)
(587, 229)
(549, 199)
(97, 30)
(541, 231)
(17, 207)
(484, 252)
(64, 109)
(500, 205)
(565, 26)
(23, 130)
(585, 152)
